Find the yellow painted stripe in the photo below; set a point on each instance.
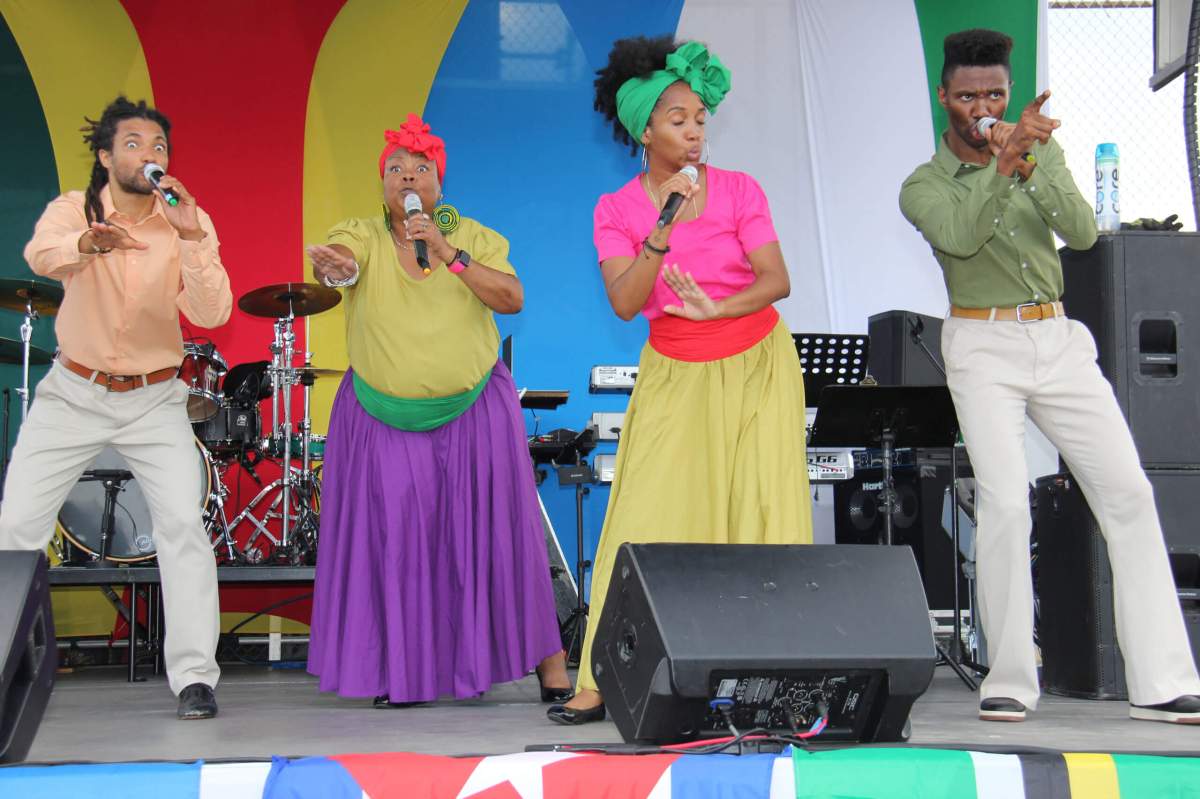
(359, 89)
(81, 56)
(1093, 776)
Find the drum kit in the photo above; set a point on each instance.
(106, 518)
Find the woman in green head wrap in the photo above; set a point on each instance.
(712, 450)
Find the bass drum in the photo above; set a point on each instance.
(131, 540)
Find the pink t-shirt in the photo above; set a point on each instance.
(735, 221)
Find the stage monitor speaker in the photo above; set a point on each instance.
(896, 359)
(917, 522)
(780, 631)
(1139, 294)
(28, 653)
(1077, 621)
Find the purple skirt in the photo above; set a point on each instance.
(432, 577)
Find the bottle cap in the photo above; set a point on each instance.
(1107, 148)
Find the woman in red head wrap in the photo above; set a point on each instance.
(432, 577)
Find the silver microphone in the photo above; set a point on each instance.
(676, 199)
(982, 126)
(412, 208)
(154, 173)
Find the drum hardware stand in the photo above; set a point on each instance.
(114, 483)
(282, 379)
(31, 314)
(217, 523)
(956, 657)
(574, 627)
(4, 464)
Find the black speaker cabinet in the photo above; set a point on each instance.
(916, 523)
(1139, 294)
(896, 359)
(1077, 622)
(777, 631)
(28, 652)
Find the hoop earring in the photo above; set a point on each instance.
(387, 218)
(446, 217)
(645, 160)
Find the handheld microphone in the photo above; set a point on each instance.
(983, 125)
(154, 173)
(412, 207)
(676, 199)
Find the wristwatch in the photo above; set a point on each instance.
(461, 261)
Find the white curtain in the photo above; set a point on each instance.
(830, 112)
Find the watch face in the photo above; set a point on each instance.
(464, 257)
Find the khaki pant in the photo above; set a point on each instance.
(999, 372)
(69, 423)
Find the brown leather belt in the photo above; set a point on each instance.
(118, 382)
(1029, 312)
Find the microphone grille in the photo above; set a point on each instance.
(153, 171)
(690, 172)
(412, 204)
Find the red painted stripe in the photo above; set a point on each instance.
(233, 76)
(402, 775)
(605, 776)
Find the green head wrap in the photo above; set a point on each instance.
(692, 64)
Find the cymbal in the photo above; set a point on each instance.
(282, 299)
(14, 294)
(12, 351)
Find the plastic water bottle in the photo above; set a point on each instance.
(1108, 199)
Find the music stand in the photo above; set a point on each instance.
(831, 359)
(889, 417)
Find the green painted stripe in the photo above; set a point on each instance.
(1017, 18)
(885, 773)
(28, 181)
(1148, 776)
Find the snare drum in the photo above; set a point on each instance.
(201, 369)
(131, 539)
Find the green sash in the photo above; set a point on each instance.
(417, 415)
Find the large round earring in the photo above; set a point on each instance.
(645, 160)
(446, 217)
(387, 218)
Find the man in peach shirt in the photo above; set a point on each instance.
(129, 262)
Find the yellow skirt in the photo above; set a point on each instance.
(711, 453)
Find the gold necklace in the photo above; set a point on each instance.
(399, 243)
(657, 204)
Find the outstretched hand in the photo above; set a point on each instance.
(329, 264)
(697, 305)
(107, 236)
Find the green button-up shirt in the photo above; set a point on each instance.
(994, 235)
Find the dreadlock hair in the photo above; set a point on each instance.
(99, 135)
(635, 57)
(977, 47)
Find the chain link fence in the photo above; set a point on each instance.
(1100, 58)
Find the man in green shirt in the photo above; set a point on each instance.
(989, 203)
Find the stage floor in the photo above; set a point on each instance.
(94, 715)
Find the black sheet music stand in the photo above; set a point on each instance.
(830, 359)
(889, 417)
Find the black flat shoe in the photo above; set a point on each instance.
(197, 701)
(1180, 710)
(561, 714)
(382, 702)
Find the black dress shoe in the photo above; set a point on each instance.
(197, 701)
(382, 702)
(553, 694)
(1001, 708)
(1180, 710)
(562, 714)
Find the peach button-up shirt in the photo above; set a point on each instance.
(121, 310)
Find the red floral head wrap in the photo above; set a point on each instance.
(415, 137)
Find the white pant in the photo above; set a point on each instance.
(997, 373)
(69, 423)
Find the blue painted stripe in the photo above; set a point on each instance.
(722, 776)
(310, 778)
(127, 780)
